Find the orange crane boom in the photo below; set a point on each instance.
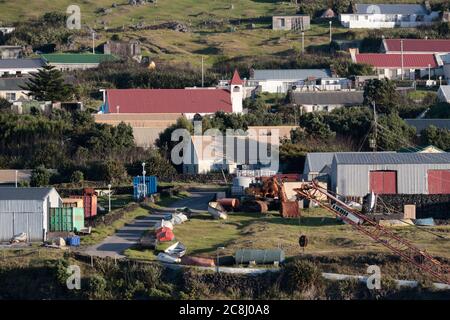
(382, 235)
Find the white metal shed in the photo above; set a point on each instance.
(26, 210)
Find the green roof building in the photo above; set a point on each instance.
(76, 61)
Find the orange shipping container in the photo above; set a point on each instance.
(72, 202)
(89, 204)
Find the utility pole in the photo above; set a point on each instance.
(143, 180)
(303, 41)
(401, 50)
(330, 30)
(375, 128)
(203, 73)
(109, 197)
(16, 177)
(93, 42)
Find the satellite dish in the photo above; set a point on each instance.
(373, 9)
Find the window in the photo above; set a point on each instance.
(11, 96)
(283, 22)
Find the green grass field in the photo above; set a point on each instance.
(202, 236)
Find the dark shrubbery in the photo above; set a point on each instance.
(300, 275)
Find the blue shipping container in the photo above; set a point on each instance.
(151, 186)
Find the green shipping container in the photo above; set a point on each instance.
(66, 219)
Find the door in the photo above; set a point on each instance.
(439, 181)
(383, 182)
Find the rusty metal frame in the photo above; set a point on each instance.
(380, 234)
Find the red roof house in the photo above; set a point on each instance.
(168, 101)
(416, 45)
(401, 66)
(381, 60)
(189, 101)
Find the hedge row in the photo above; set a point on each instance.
(435, 206)
(111, 217)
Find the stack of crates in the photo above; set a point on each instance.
(151, 186)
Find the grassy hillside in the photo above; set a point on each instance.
(193, 11)
(216, 28)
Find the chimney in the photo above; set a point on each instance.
(353, 53)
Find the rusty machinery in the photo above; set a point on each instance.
(367, 226)
(272, 188)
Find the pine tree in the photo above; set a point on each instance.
(48, 85)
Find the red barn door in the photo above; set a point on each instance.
(439, 181)
(383, 182)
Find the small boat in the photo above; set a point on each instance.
(217, 211)
(21, 237)
(163, 224)
(179, 218)
(177, 250)
(164, 234)
(164, 257)
(425, 222)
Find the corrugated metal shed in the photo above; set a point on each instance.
(391, 158)
(316, 161)
(350, 172)
(26, 210)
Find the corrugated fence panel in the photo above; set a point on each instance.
(6, 226)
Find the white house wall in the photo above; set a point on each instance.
(15, 71)
(378, 21)
(315, 107)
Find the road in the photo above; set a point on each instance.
(114, 246)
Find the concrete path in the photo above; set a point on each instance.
(114, 246)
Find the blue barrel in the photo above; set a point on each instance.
(73, 241)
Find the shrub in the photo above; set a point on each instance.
(77, 177)
(300, 275)
(40, 177)
(97, 287)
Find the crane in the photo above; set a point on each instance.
(364, 224)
